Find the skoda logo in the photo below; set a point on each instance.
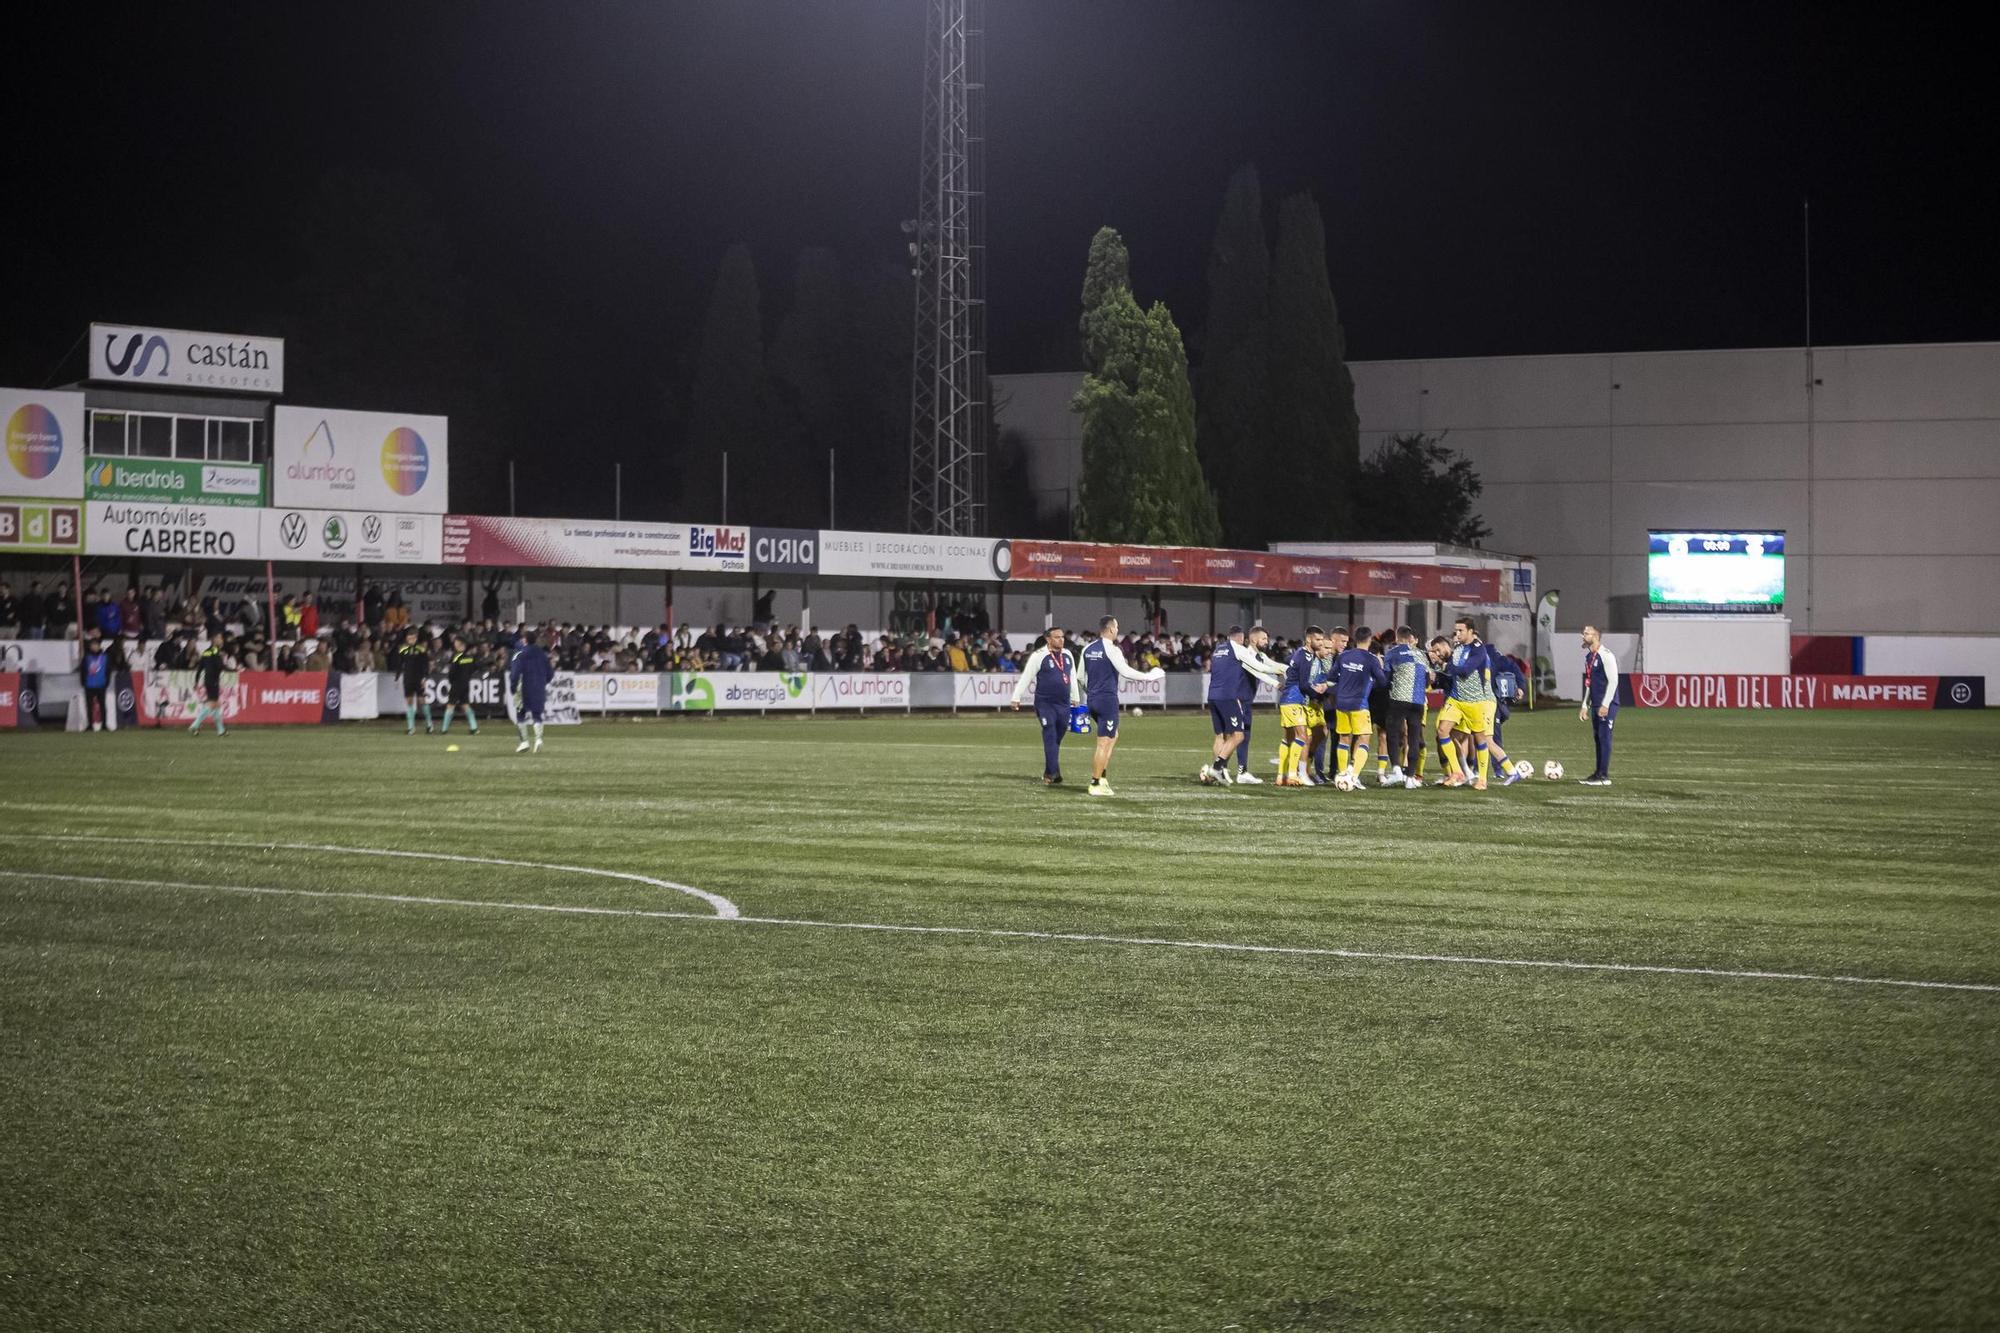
(1961, 693)
(371, 528)
(335, 533)
(292, 531)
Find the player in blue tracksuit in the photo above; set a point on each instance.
(528, 670)
(1600, 701)
(1357, 673)
(1050, 674)
(1103, 664)
(1255, 640)
(1233, 672)
(95, 671)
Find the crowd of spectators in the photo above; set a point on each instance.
(342, 633)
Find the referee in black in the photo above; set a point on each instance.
(413, 663)
(459, 669)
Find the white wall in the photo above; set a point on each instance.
(1886, 477)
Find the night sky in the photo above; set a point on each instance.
(1496, 178)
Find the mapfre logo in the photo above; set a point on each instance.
(282, 698)
(1654, 691)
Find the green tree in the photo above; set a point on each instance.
(1142, 481)
(1315, 434)
(729, 401)
(1234, 419)
(1415, 489)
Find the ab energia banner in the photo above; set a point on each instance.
(329, 459)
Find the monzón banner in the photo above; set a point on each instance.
(1266, 571)
(1655, 690)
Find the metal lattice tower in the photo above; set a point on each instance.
(948, 412)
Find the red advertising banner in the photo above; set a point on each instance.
(169, 697)
(1266, 571)
(1702, 691)
(10, 699)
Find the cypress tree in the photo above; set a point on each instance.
(1315, 434)
(1235, 404)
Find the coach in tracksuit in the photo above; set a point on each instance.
(1051, 674)
(1600, 701)
(1233, 672)
(529, 669)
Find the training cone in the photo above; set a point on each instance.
(451, 749)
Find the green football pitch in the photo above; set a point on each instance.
(256, 1074)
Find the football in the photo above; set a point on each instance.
(1523, 768)
(1343, 782)
(1206, 776)
(1138, 712)
(1553, 771)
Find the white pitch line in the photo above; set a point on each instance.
(723, 907)
(1208, 946)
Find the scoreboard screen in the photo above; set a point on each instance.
(1715, 571)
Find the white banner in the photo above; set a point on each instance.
(742, 690)
(870, 555)
(43, 459)
(1142, 692)
(859, 689)
(326, 458)
(359, 700)
(184, 531)
(140, 356)
(331, 536)
(560, 702)
(1266, 694)
(629, 693)
(979, 689)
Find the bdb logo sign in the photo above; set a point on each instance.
(292, 531)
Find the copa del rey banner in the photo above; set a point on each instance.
(1716, 691)
(1266, 571)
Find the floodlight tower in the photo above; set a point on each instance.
(948, 412)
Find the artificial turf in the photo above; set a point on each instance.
(225, 1110)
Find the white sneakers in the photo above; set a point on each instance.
(1413, 784)
(522, 748)
(1099, 787)
(1248, 779)
(1395, 778)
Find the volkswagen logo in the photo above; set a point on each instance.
(335, 533)
(371, 528)
(292, 531)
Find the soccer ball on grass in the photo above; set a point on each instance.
(1553, 770)
(1523, 769)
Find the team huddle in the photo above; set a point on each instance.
(1342, 696)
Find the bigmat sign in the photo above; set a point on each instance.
(1683, 691)
(1265, 571)
(169, 697)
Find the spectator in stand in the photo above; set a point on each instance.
(309, 617)
(954, 653)
(152, 615)
(395, 615)
(94, 669)
(33, 611)
(489, 609)
(371, 607)
(10, 612)
(128, 611)
(59, 612)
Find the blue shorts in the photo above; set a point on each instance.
(1226, 716)
(1104, 716)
